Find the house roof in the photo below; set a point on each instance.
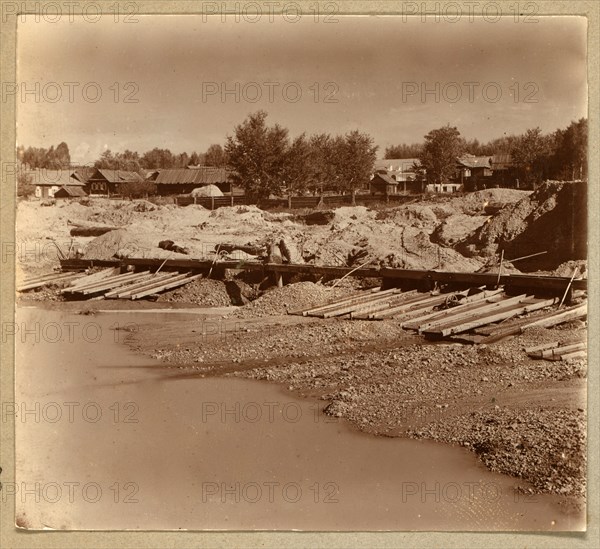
(116, 176)
(470, 161)
(384, 177)
(50, 178)
(70, 190)
(204, 175)
(396, 164)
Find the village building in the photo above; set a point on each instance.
(109, 182)
(185, 180)
(48, 182)
(474, 172)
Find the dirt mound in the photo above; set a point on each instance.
(456, 227)
(476, 202)
(553, 219)
(279, 301)
(204, 292)
(119, 243)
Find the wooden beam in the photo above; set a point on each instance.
(411, 306)
(168, 286)
(541, 347)
(333, 302)
(123, 291)
(468, 303)
(109, 283)
(352, 299)
(483, 309)
(59, 278)
(96, 277)
(487, 319)
(578, 311)
(151, 284)
(375, 299)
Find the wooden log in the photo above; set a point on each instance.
(168, 286)
(576, 354)
(89, 229)
(333, 302)
(115, 284)
(467, 304)
(107, 283)
(417, 305)
(487, 319)
(123, 291)
(579, 311)
(96, 277)
(564, 349)
(352, 299)
(344, 308)
(58, 279)
(484, 309)
(542, 347)
(375, 307)
(151, 284)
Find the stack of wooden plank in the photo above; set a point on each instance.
(557, 351)
(110, 283)
(475, 316)
(48, 279)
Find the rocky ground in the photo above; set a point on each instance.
(521, 416)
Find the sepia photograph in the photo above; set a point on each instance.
(295, 269)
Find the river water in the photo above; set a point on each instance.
(108, 439)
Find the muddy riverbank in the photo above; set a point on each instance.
(174, 449)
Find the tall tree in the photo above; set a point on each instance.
(530, 153)
(215, 156)
(257, 154)
(438, 158)
(356, 159)
(297, 172)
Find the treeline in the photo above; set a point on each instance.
(160, 158)
(266, 161)
(561, 154)
(51, 159)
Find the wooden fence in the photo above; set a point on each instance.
(294, 202)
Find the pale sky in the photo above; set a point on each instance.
(380, 67)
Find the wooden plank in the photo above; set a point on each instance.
(96, 277)
(487, 319)
(469, 303)
(576, 354)
(365, 310)
(60, 278)
(412, 304)
(542, 347)
(564, 349)
(106, 283)
(578, 311)
(112, 283)
(377, 298)
(151, 284)
(353, 298)
(168, 286)
(40, 278)
(483, 309)
(122, 291)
